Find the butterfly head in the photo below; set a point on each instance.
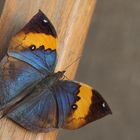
(60, 74)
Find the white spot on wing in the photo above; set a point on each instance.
(33, 47)
(103, 105)
(45, 20)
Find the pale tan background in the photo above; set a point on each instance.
(111, 63)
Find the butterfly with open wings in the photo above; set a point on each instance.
(32, 94)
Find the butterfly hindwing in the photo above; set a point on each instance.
(37, 112)
(15, 77)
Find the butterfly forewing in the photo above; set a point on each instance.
(36, 44)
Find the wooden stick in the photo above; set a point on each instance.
(71, 19)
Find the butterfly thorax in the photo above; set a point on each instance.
(50, 80)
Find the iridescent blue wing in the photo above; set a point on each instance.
(37, 112)
(15, 77)
(45, 109)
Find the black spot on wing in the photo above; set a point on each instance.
(40, 24)
(32, 47)
(74, 107)
(78, 98)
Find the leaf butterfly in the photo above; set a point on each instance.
(35, 97)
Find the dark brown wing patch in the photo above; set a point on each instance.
(38, 24)
(39, 31)
(88, 107)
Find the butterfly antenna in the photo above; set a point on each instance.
(73, 62)
(66, 77)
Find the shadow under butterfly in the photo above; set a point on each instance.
(35, 97)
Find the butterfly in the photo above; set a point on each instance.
(36, 97)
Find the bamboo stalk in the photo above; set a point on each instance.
(71, 19)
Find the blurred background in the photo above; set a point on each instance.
(111, 64)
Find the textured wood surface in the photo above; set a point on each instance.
(71, 19)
